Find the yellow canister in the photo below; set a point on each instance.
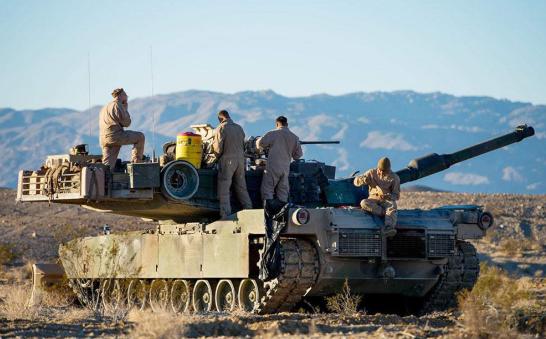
(188, 148)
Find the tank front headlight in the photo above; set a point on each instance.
(301, 216)
(485, 220)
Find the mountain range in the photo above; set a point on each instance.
(402, 125)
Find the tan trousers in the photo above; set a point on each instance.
(381, 208)
(275, 183)
(111, 146)
(232, 170)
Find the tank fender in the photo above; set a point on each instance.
(308, 220)
(471, 224)
(44, 278)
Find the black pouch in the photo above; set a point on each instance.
(275, 218)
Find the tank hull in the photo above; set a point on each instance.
(229, 250)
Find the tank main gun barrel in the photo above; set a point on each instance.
(434, 163)
(319, 142)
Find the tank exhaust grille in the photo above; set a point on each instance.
(441, 245)
(407, 244)
(359, 243)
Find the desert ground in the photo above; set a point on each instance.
(508, 300)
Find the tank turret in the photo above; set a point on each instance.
(176, 190)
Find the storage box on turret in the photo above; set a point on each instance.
(143, 175)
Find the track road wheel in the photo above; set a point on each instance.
(225, 296)
(202, 296)
(249, 295)
(137, 294)
(180, 296)
(159, 295)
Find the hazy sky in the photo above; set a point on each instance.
(495, 48)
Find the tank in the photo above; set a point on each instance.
(194, 261)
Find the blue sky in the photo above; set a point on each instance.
(296, 48)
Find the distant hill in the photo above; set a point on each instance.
(402, 125)
(419, 188)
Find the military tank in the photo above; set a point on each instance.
(194, 261)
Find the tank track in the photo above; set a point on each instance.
(461, 272)
(299, 271)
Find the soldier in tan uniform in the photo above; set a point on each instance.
(113, 118)
(282, 146)
(228, 146)
(384, 190)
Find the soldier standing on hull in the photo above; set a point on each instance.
(113, 118)
(282, 146)
(228, 146)
(384, 190)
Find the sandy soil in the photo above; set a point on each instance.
(35, 230)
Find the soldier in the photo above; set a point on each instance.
(228, 146)
(384, 190)
(113, 118)
(283, 145)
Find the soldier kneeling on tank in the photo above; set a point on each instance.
(384, 190)
(113, 118)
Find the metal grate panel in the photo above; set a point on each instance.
(359, 243)
(407, 244)
(441, 245)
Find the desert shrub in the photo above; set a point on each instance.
(488, 310)
(510, 246)
(529, 319)
(344, 302)
(65, 232)
(90, 291)
(58, 295)
(8, 254)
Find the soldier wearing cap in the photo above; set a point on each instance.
(114, 117)
(229, 148)
(384, 191)
(282, 146)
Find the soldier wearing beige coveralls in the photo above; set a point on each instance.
(384, 190)
(228, 146)
(113, 118)
(283, 146)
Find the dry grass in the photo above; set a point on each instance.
(168, 325)
(154, 325)
(344, 302)
(498, 303)
(14, 303)
(514, 247)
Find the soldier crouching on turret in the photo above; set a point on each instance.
(384, 190)
(113, 118)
